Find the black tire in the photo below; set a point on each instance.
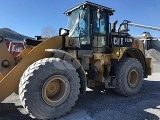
(37, 77)
(129, 77)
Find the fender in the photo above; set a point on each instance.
(67, 57)
(136, 53)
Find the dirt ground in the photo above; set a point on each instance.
(100, 104)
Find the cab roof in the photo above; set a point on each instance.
(91, 4)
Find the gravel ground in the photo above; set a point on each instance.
(100, 104)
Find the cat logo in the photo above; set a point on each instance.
(122, 41)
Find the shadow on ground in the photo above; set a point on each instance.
(101, 104)
(8, 111)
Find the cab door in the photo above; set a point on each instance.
(100, 30)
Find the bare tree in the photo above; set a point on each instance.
(48, 32)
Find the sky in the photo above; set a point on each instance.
(31, 17)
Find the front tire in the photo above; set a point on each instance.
(49, 88)
(129, 77)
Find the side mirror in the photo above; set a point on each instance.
(63, 32)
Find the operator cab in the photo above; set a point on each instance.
(89, 23)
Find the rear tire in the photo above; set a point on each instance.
(129, 77)
(49, 88)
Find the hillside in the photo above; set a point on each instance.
(8, 33)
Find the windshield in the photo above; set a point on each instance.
(73, 23)
(78, 25)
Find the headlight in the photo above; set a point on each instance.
(74, 42)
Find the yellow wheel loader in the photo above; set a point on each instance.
(50, 74)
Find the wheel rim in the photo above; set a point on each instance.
(133, 78)
(55, 90)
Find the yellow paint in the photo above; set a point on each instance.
(1, 76)
(5, 55)
(10, 82)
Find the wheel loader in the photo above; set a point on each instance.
(50, 74)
